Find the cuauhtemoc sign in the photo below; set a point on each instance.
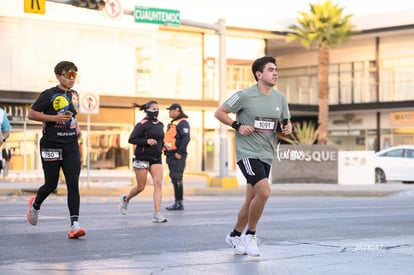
(157, 16)
(305, 164)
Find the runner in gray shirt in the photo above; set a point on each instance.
(258, 111)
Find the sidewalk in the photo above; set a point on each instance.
(115, 182)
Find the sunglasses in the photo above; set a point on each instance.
(69, 74)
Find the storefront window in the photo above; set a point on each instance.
(299, 85)
(106, 151)
(334, 87)
(397, 76)
(348, 83)
(23, 146)
(108, 146)
(239, 76)
(348, 139)
(345, 83)
(364, 91)
(209, 79)
(403, 136)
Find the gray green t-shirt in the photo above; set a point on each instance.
(262, 112)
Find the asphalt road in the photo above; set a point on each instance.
(297, 235)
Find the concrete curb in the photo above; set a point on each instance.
(281, 190)
(114, 184)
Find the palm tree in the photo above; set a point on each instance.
(324, 27)
(304, 133)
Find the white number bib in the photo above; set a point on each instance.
(265, 124)
(139, 164)
(51, 154)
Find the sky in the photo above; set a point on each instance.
(268, 14)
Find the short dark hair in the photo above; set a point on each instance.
(65, 66)
(260, 63)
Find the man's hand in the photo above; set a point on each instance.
(287, 128)
(61, 117)
(246, 130)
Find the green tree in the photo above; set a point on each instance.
(323, 28)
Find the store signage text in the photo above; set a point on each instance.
(16, 113)
(398, 118)
(305, 155)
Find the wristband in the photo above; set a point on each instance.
(236, 125)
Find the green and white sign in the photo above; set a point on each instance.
(157, 16)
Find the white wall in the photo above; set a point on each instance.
(404, 43)
(356, 168)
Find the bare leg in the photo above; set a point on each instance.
(156, 173)
(262, 193)
(141, 177)
(243, 215)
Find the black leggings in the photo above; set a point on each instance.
(71, 168)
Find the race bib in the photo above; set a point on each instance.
(139, 164)
(265, 124)
(51, 154)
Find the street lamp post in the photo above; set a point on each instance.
(220, 29)
(222, 96)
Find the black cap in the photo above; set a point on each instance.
(175, 106)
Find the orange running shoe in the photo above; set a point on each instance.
(76, 231)
(32, 214)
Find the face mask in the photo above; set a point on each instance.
(152, 114)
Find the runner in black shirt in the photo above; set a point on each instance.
(59, 148)
(148, 136)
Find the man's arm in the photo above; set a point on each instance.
(4, 135)
(78, 130)
(222, 114)
(39, 116)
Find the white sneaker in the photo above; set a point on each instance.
(158, 217)
(32, 214)
(236, 243)
(123, 205)
(250, 244)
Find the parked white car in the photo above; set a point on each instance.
(395, 164)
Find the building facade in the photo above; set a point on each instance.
(371, 88)
(121, 62)
(125, 62)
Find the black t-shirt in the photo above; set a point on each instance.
(144, 130)
(51, 102)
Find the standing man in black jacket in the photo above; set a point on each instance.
(176, 140)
